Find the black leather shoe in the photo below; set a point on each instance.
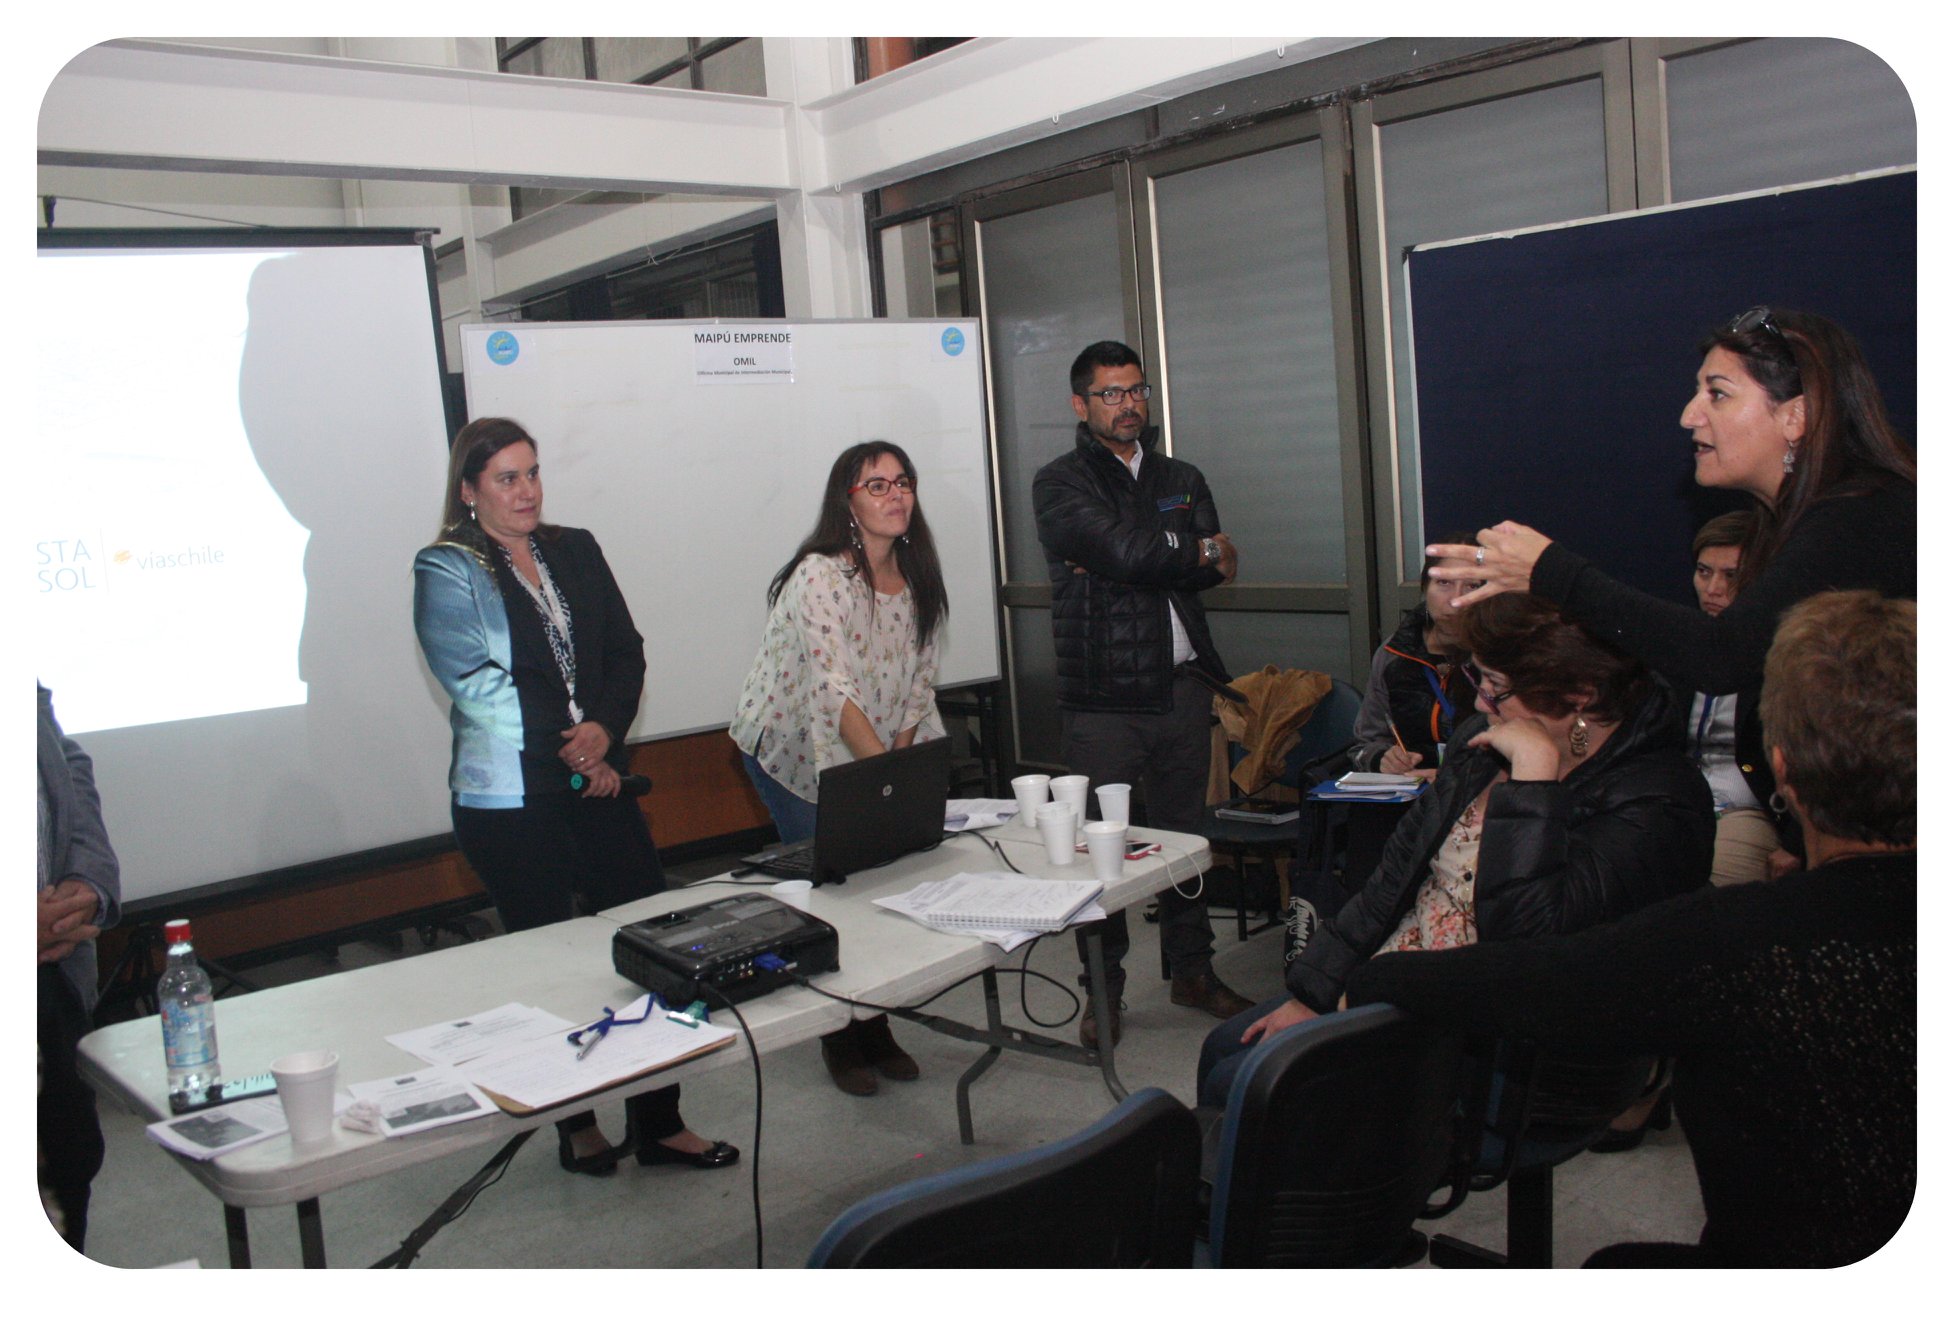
(1205, 991)
(598, 1163)
(878, 1046)
(716, 1157)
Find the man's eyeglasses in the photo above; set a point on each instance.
(881, 486)
(1757, 318)
(1112, 394)
(1487, 695)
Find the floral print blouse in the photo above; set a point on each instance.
(1441, 916)
(832, 639)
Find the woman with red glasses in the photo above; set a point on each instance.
(1567, 802)
(846, 670)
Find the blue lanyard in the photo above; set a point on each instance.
(1438, 691)
(1703, 724)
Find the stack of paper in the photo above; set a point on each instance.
(949, 905)
(1370, 786)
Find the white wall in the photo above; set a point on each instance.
(421, 132)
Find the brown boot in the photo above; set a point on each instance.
(842, 1053)
(878, 1044)
(1089, 1027)
(1203, 990)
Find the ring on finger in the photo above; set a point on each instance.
(1479, 556)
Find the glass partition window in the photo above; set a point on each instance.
(1051, 287)
(1523, 160)
(1790, 110)
(1247, 329)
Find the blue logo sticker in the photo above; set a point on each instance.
(953, 341)
(502, 348)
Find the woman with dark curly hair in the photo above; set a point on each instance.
(1790, 1007)
(1565, 803)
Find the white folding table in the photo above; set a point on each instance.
(565, 968)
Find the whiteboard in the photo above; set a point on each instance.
(696, 452)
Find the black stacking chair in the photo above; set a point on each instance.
(1326, 732)
(1335, 1135)
(1542, 1109)
(1119, 1193)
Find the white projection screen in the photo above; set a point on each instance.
(240, 444)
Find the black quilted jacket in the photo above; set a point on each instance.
(1140, 544)
(1629, 828)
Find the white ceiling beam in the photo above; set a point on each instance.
(996, 92)
(156, 105)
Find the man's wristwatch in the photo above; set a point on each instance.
(1210, 551)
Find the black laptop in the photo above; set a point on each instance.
(869, 813)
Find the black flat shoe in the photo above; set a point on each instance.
(598, 1164)
(717, 1156)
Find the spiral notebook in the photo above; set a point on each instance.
(1026, 904)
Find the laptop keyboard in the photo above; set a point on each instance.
(794, 865)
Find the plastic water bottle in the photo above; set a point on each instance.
(189, 1017)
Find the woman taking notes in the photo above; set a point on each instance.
(847, 669)
(523, 625)
(1786, 411)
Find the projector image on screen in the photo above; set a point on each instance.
(241, 443)
(169, 579)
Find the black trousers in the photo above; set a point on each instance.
(536, 861)
(70, 1133)
(1166, 757)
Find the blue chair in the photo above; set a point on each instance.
(1541, 1110)
(1119, 1193)
(1335, 1135)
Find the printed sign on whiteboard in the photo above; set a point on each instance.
(743, 355)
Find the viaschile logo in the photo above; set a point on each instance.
(1167, 504)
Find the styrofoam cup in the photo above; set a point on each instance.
(793, 893)
(1106, 841)
(306, 1082)
(1071, 790)
(1033, 792)
(1056, 825)
(1114, 799)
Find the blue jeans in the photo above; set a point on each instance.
(793, 816)
(1223, 1052)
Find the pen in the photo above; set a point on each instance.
(589, 1045)
(1397, 738)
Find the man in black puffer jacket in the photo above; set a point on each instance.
(1130, 536)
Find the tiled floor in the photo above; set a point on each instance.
(822, 1151)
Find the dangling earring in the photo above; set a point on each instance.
(905, 538)
(1577, 737)
(1790, 457)
(855, 533)
(471, 513)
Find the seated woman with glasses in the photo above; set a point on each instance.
(1787, 411)
(846, 670)
(1567, 803)
(1790, 1007)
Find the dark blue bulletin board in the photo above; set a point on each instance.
(1553, 365)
